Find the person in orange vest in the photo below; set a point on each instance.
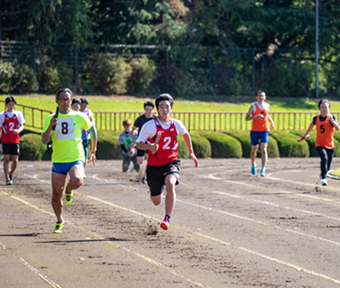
(325, 124)
(261, 126)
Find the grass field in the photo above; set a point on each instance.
(285, 120)
(102, 103)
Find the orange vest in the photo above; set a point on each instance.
(324, 133)
(260, 124)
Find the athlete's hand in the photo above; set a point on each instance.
(193, 157)
(330, 117)
(54, 121)
(93, 159)
(261, 116)
(153, 148)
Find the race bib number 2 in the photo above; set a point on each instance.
(65, 129)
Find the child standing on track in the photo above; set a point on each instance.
(159, 137)
(325, 124)
(259, 114)
(11, 123)
(139, 122)
(125, 141)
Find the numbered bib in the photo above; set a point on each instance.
(65, 129)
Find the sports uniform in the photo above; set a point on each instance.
(9, 121)
(165, 161)
(139, 123)
(67, 139)
(324, 142)
(260, 127)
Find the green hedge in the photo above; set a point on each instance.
(288, 145)
(31, 147)
(222, 145)
(201, 146)
(107, 146)
(244, 138)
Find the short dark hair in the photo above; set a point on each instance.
(10, 99)
(259, 91)
(63, 90)
(75, 101)
(149, 103)
(165, 97)
(84, 100)
(324, 101)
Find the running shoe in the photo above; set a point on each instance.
(68, 197)
(10, 181)
(58, 226)
(253, 169)
(166, 223)
(263, 172)
(324, 182)
(143, 180)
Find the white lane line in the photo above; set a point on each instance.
(277, 205)
(259, 222)
(239, 247)
(211, 176)
(31, 267)
(298, 268)
(154, 262)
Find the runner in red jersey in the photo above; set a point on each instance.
(325, 124)
(11, 123)
(159, 137)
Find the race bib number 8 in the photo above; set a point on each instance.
(65, 129)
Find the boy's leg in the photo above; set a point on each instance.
(135, 163)
(264, 154)
(76, 177)
(253, 153)
(330, 154)
(324, 159)
(6, 165)
(170, 198)
(58, 185)
(15, 161)
(126, 163)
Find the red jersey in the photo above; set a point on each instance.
(10, 123)
(260, 124)
(168, 145)
(324, 133)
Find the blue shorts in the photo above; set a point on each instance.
(255, 136)
(63, 168)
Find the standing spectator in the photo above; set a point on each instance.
(85, 134)
(12, 123)
(139, 122)
(325, 124)
(125, 141)
(261, 126)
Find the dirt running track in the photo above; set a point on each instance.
(229, 229)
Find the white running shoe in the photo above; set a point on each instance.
(324, 182)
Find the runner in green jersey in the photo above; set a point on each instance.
(67, 151)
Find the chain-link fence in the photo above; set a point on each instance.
(187, 71)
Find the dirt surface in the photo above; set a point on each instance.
(229, 229)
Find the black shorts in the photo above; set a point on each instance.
(155, 176)
(10, 148)
(140, 153)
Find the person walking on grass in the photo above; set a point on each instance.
(159, 137)
(67, 151)
(261, 126)
(325, 124)
(125, 141)
(11, 123)
(139, 122)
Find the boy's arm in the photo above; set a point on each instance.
(334, 123)
(188, 142)
(271, 121)
(249, 113)
(310, 128)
